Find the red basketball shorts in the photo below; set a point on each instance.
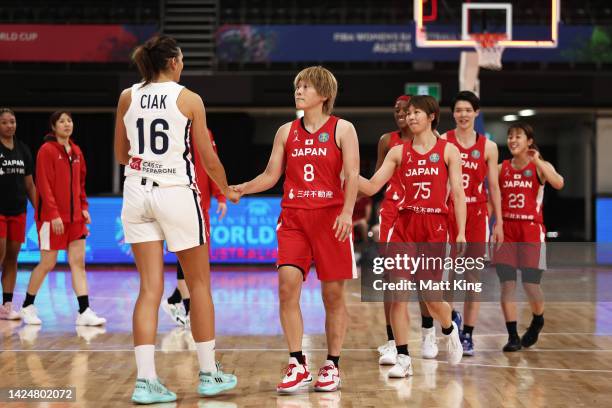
(476, 228)
(307, 236)
(50, 241)
(13, 227)
(523, 245)
(424, 236)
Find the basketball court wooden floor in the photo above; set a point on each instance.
(570, 366)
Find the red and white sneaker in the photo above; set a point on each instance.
(329, 377)
(296, 377)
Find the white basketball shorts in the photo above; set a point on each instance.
(153, 213)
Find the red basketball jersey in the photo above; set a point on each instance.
(473, 167)
(521, 192)
(313, 167)
(394, 192)
(424, 179)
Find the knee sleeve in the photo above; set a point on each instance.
(505, 273)
(530, 275)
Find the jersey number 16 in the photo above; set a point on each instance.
(154, 135)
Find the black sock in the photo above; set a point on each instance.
(7, 297)
(299, 356)
(83, 303)
(511, 327)
(403, 349)
(390, 333)
(335, 359)
(454, 315)
(29, 300)
(468, 329)
(448, 330)
(175, 297)
(538, 321)
(186, 304)
(426, 322)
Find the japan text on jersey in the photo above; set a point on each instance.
(313, 167)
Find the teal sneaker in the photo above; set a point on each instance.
(215, 383)
(151, 392)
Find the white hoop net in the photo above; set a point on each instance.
(489, 51)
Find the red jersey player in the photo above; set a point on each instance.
(427, 165)
(521, 181)
(388, 212)
(478, 162)
(316, 153)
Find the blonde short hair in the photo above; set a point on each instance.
(323, 81)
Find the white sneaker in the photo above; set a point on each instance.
(174, 311)
(7, 312)
(29, 315)
(403, 367)
(429, 346)
(89, 318)
(389, 356)
(453, 346)
(296, 377)
(328, 378)
(382, 349)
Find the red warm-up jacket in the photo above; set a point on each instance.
(60, 182)
(205, 184)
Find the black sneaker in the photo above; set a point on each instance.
(513, 344)
(531, 336)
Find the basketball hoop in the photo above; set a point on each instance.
(489, 50)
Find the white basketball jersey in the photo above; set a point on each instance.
(160, 142)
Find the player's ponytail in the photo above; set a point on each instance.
(152, 57)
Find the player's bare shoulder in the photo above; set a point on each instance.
(282, 134)
(344, 126)
(451, 151)
(344, 129)
(491, 151)
(125, 98)
(384, 140)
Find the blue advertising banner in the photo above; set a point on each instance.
(603, 232)
(291, 43)
(247, 234)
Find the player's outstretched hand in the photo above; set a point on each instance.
(233, 195)
(238, 187)
(343, 226)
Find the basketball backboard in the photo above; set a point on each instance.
(454, 23)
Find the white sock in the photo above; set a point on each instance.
(206, 356)
(145, 361)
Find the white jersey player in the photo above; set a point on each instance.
(161, 203)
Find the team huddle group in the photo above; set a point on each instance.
(435, 192)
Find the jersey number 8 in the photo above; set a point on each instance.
(154, 136)
(308, 172)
